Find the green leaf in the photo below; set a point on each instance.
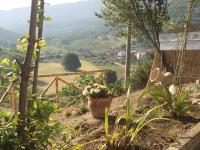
(48, 18)
(106, 122)
(5, 61)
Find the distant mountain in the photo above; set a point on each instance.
(74, 26)
(69, 16)
(8, 39)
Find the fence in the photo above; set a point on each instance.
(57, 78)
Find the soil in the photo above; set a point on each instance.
(89, 129)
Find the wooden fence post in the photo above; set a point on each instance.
(104, 78)
(13, 98)
(57, 89)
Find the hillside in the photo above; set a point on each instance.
(69, 16)
(7, 38)
(74, 26)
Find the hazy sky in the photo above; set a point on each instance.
(10, 4)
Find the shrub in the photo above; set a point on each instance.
(44, 130)
(69, 91)
(111, 76)
(85, 79)
(40, 132)
(140, 76)
(8, 128)
(117, 88)
(71, 62)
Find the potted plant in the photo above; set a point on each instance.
(99, 97)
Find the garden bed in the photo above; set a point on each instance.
(190, 140)
(89, 129)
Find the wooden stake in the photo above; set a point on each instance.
(104, 78)
(6, 92)
(70, 84)
(13, 99)
(57, 89)
(47, 88)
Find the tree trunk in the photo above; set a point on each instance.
(37, 61)
(128, 53)
(25, 71)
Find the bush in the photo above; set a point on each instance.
(40, 132)
(140, 76)
(69, 91)
(71, 62)
(85, 79)
(111, 76)
(117, 88)
(8, 128)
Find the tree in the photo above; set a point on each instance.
(117, 14)
(147, 18)
(111, 76)
(26, 68)
(40, 35)
(71, 62)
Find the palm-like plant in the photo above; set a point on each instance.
(177, 105)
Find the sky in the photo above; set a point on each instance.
(10, 4)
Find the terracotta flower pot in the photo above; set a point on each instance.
(97, 106)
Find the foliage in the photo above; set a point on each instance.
(9, 71)
(85, 79)
(111, 77)
(69, 91)
(140, 76)
(177, 10)
(96, 91)
(176, 103)
(71, 62)
(117, 88)
(118, 15)
(146, 17)
(40, 129)
(125, 137)
(8, 138)
(10, 68)
(45, 131)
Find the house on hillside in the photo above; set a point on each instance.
(109, 52)
(121, 54)
(141, 55)
(170, 46)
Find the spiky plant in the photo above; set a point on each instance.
(125, 136)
